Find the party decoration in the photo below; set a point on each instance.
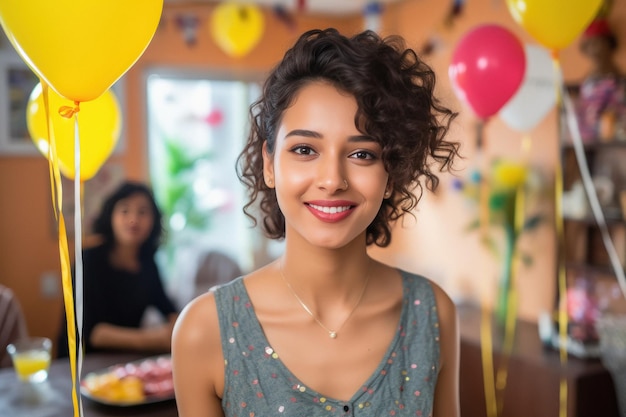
(188, 24)
(237, 28)
(454, 12)
(99, 128)
(555, 23)
(80, 48)
(371, 16)
(487, 68)
(537, 94)
(285, 16)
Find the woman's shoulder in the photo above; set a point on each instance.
(445, 305)
(197, 324)
(196, 345)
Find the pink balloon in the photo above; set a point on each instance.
(487, 68)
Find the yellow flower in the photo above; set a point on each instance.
(509, 174)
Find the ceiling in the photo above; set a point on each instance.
(329, 7)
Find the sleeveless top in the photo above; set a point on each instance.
(258, 384)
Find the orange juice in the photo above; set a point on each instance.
(31, 363)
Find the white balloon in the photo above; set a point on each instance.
(536, 95)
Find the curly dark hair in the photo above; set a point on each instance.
(394, 91)
(103, 223)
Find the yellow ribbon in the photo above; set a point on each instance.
(486, 342)
(69, 112)
(486, 350)
(513, 298)
(66, 276)
(558, 223)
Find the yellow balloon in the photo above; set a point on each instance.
(237, 28)
(99, 126)
(554, 23)
(80, 48)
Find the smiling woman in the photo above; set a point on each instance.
(344, 130)
(336, 171)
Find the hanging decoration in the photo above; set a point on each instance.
(284, 16)
(100, 126)
(432, 44)
(371, 16)
(188, 24)
(455, 11)
(237, 28)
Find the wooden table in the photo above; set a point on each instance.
(534, 375)
(53, 398)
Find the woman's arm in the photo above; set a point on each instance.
(151, 339)
(197, 360)
(446, 402)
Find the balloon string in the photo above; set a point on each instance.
(486, 341)
(486, 344)
(52, 157)
(57, 202)
(483, 166)
(78, 257)
(519, 219)
(558, 222)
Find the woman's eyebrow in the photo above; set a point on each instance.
(305, 133)
(312, 134)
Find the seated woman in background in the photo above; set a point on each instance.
(121, 278)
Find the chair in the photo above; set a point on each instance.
(12, 323)
(215, 268)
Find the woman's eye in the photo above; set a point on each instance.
(363, 155)
(302, 150)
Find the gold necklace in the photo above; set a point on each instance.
(332, 333)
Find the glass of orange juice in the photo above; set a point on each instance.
(31, 358)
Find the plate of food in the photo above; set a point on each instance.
(144, 381)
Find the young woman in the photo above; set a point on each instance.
(346, 131)
(121, 279)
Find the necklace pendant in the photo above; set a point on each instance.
(333, 335)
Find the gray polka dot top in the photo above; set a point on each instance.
(258, 384)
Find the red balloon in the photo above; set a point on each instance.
(487, 68)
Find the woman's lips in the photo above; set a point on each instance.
(330, 211)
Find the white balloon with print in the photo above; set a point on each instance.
(537, 94)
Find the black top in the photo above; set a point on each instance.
(115, 296)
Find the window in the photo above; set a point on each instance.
(196, 128)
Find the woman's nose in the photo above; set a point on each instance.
(331, 177)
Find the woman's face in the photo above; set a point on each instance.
(329, 177)
(132, 220)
